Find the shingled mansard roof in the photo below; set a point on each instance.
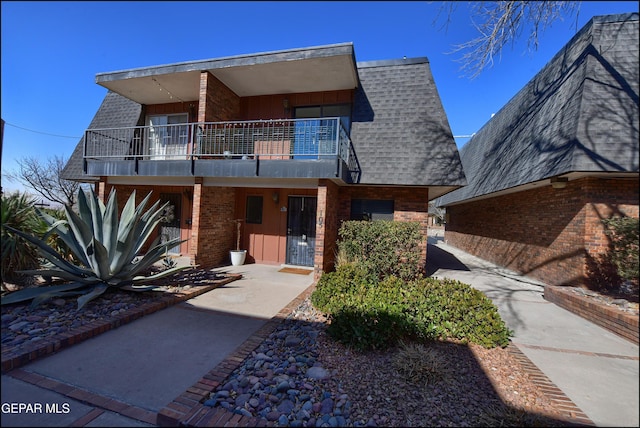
(578, 116)
(115, 111)
(399, 128)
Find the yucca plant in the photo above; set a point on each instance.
(105, 247)
(18, 254)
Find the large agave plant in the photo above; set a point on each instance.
(106, 247)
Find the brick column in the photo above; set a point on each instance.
(202, 101)
(411, 204)
(195, 221)
(212, 226)
(326, 228)
(102, 189)
(217, 103)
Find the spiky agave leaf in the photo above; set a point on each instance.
(52, 256)
(131, 235)
(154, 254)
(60, 227)
(34, 292)
(96, 291)
(105, 244)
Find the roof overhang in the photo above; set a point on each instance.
(313, 69)
(437, 191)
(569, 176)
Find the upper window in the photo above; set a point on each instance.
(371, 209)
(167, 136)
(343, 111)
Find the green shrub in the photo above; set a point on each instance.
(364, 328)
(336, 289)
(18, 253)
(450, 309)
(383, 248)
(366, 315)
(623, 232)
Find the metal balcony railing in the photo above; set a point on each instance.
(267, 139)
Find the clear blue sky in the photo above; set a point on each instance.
(51, 52)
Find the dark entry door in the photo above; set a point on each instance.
(170, 224)
(301, 230)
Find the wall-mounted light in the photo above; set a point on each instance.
(285, 105)
(275, 196)
(559, 182)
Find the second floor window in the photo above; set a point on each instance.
(316, 137)
(343, 111)
(167, 137)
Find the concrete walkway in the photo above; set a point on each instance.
(138, 368)
(596, 369)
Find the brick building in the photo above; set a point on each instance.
(558, 158)
(288, 143)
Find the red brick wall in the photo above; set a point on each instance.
(610, 318)
(545, 233)
(217, 103)
(213, 229)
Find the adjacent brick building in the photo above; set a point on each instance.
(558, 158)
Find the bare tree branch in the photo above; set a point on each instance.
(501, 22)
(46, 179)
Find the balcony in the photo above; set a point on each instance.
(283, 148)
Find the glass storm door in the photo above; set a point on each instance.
(170, 223)
(301, 230)
(315, 137)
(167, 138)
(306, 139)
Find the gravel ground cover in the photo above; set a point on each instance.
(299, 376)
(23, 325)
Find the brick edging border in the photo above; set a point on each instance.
(19, 356)
(187, 409)
(99, 402)
(620, 323)
(569, 412)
